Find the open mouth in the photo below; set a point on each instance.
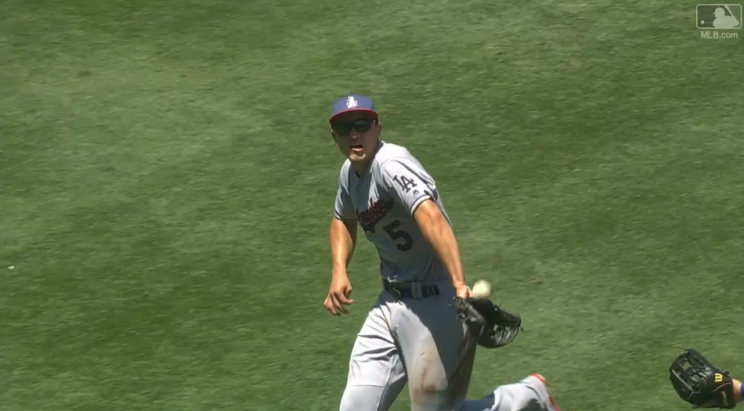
(357, 147)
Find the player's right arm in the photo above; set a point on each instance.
(343, 236)
(343, 241)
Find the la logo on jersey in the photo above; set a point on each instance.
(374, 214)
(351, 102)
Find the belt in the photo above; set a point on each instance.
(410, 290)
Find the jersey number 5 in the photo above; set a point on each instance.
(396, 235)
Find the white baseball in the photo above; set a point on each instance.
(482, 289)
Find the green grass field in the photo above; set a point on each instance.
(167, 181)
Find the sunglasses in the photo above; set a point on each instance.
(360, 126)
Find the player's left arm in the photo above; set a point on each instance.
(416, 190)
(441, 236)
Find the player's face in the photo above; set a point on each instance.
(356, 135)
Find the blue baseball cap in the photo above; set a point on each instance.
(353, 102)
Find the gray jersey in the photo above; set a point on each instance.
(383, 201)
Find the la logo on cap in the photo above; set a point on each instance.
(351, 102)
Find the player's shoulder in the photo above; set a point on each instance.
(392, 151)
(344, 171)
(392, 155)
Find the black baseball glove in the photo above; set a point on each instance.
(700, 383)
(491, 326)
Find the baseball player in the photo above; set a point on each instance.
(700, 383)
(412, 335)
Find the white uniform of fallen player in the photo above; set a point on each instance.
(413, 337)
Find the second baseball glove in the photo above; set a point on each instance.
(491, 326)
(700, 383)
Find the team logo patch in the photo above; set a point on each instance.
(351, 102)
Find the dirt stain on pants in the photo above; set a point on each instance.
(441, 384)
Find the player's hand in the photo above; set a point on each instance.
(463, 291)
(339, 295)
